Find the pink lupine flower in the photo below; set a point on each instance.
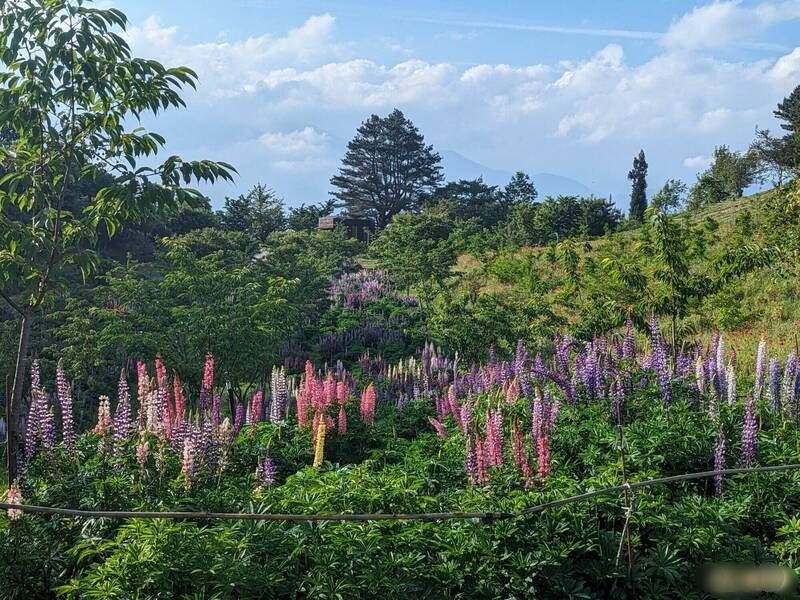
(256, 407)
(368, 398)
(439, 427)
(482, 475)
(455, 409)
(64, 394)
(104, 421)
(14, 496)
(142, 452)
(543, 451)
(329, 390)
(342, 421)
(341, 392)
(208, 372)
(180, 399)
(520, 455)
(494, 438)
(512, 391)
(188, 463)
(142, 392)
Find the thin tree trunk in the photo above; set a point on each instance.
(14, 404)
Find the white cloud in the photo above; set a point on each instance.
(699, 162)
(787, 67)
(300, 142)
(727, 22)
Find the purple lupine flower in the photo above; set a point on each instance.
(188, 462)
(789, 377)
(719, 461)
(279, 393)
(266, 470)
(761, 357)
(471, 461)
(123, 420)
(216, 417)
(749, 437)
(699, 374)
(238, 419)
(629, 342)
(722, 382)
(660, 362)
(64, 394)
(774, 385)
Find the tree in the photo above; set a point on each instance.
(470, 199)
(68, 87)
(779, 155)
(257, 213)
(733, 170)
(306, 217)
(520, 189)
(789, 111)
(387, 169)
(670, 197)
(638, 177)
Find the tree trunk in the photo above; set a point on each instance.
(14, 403)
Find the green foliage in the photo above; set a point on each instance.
(257, 213)
(638, 177)
(387, 169)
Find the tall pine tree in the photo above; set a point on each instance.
(638, 177)
(387, 169)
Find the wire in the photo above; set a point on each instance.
(485, 517)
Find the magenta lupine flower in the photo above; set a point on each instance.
(238, 419)
(104, 421)
(774, 385)
(749, 434)
(256, 407)
(761, 357)
(719, 461)
(455, 408)
(439, 427)
(266, 470)
(180, 398)
(64, 394)
(13, 496)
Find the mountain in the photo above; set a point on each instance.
(457, 166)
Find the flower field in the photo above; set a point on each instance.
(425, 434)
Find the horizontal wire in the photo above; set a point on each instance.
(488, 517)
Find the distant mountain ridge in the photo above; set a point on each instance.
(457, 166)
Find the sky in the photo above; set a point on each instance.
(569, 88)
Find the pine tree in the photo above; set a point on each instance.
(387, 169)
(789, 111)
(638, 177)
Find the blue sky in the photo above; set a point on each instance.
(572, 88)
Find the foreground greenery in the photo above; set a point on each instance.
(402, 466)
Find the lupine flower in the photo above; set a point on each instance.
(471, 462)
(142, 392)
(660, 362)
(519, 453)
(14, 496)
(774, 385)
(629, 342)
(749, 437)
(789, 380)
(341, 421)
(368, 399)
(761, 356)
(64, 394)
(123, 422)
(238, 419)
(142, 451)
(700, 374)
(543, 454)
(319, 445)
(731, 384)
(277, 407)
(216, 416)
(265, 473)
(188, 463)
(494, 438)
(104, 421)
(719, 461)
(720, 367)
(439, 427)
(256, 407)
(481, 474)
